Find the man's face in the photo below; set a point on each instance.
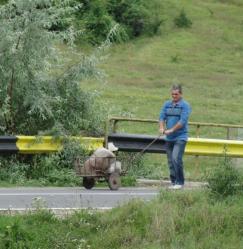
(176, 95)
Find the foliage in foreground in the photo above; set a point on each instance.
(224, 180)
(56, 169)
(174, 220)
(40, 87)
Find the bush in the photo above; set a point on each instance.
(130, 14)
(94, 20)
(13, 170)
(182, 21)
(134, 18)
(33, 98)
(54, 169)
(58, 169)
(132, 164)
(224, 180)
(15, 236)
(3, 1)
(72, 150)
(139, 17)
(62, 177)
(128, 181)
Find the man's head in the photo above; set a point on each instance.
(176, 93)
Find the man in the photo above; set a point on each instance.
(173, 122)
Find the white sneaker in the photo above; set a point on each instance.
(171, 187)
(177, 186)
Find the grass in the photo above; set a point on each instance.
(184, 219)
(209, 65)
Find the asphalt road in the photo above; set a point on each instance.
(65, 198)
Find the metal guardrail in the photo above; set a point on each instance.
(113, 123)
(8, 145)
(214, 147)
(42, 144)
(195, 146)
(48, 144)
(137, 142)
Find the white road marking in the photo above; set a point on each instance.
(54, 209)
(75, 194)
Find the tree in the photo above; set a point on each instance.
(39, 92)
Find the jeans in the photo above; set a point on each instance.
(175, 151)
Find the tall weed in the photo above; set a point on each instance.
(132, 163)
(55, 169)
(224, 179)
(182, 20)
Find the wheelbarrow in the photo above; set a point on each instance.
(97, 169)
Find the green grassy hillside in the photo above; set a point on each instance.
(206, 59)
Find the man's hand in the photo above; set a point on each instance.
(168, 132)
(161, 130)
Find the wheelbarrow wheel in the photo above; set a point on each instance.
(88, 182)
(114, 181)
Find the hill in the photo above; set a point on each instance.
(206, 59)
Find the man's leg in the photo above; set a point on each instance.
(177, 156)
(169, 151)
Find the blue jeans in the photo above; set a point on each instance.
(175, 151)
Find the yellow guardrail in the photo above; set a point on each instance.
(214, 147)
(47, 144)
(195, 146)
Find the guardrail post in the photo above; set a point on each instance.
(107, 123)
(197, 157)
(197, 130)
(115, 126)
(228, 133)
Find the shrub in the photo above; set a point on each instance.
(54, 169)
(224, 180)
(128, 181)
(94, 19)
(155, 17)
(135, 18)
(3, 1)
(16, 236)
(58, 169)
(72, 149)
(62, 177)
(139, 17)
(182, 21)
(33, 98)
(13, 170)
(129, 13)
(132, 164)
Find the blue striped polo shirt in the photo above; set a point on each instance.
(172, 113)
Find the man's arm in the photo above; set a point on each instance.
(162, 118)
(176, 127)
(162, 127)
